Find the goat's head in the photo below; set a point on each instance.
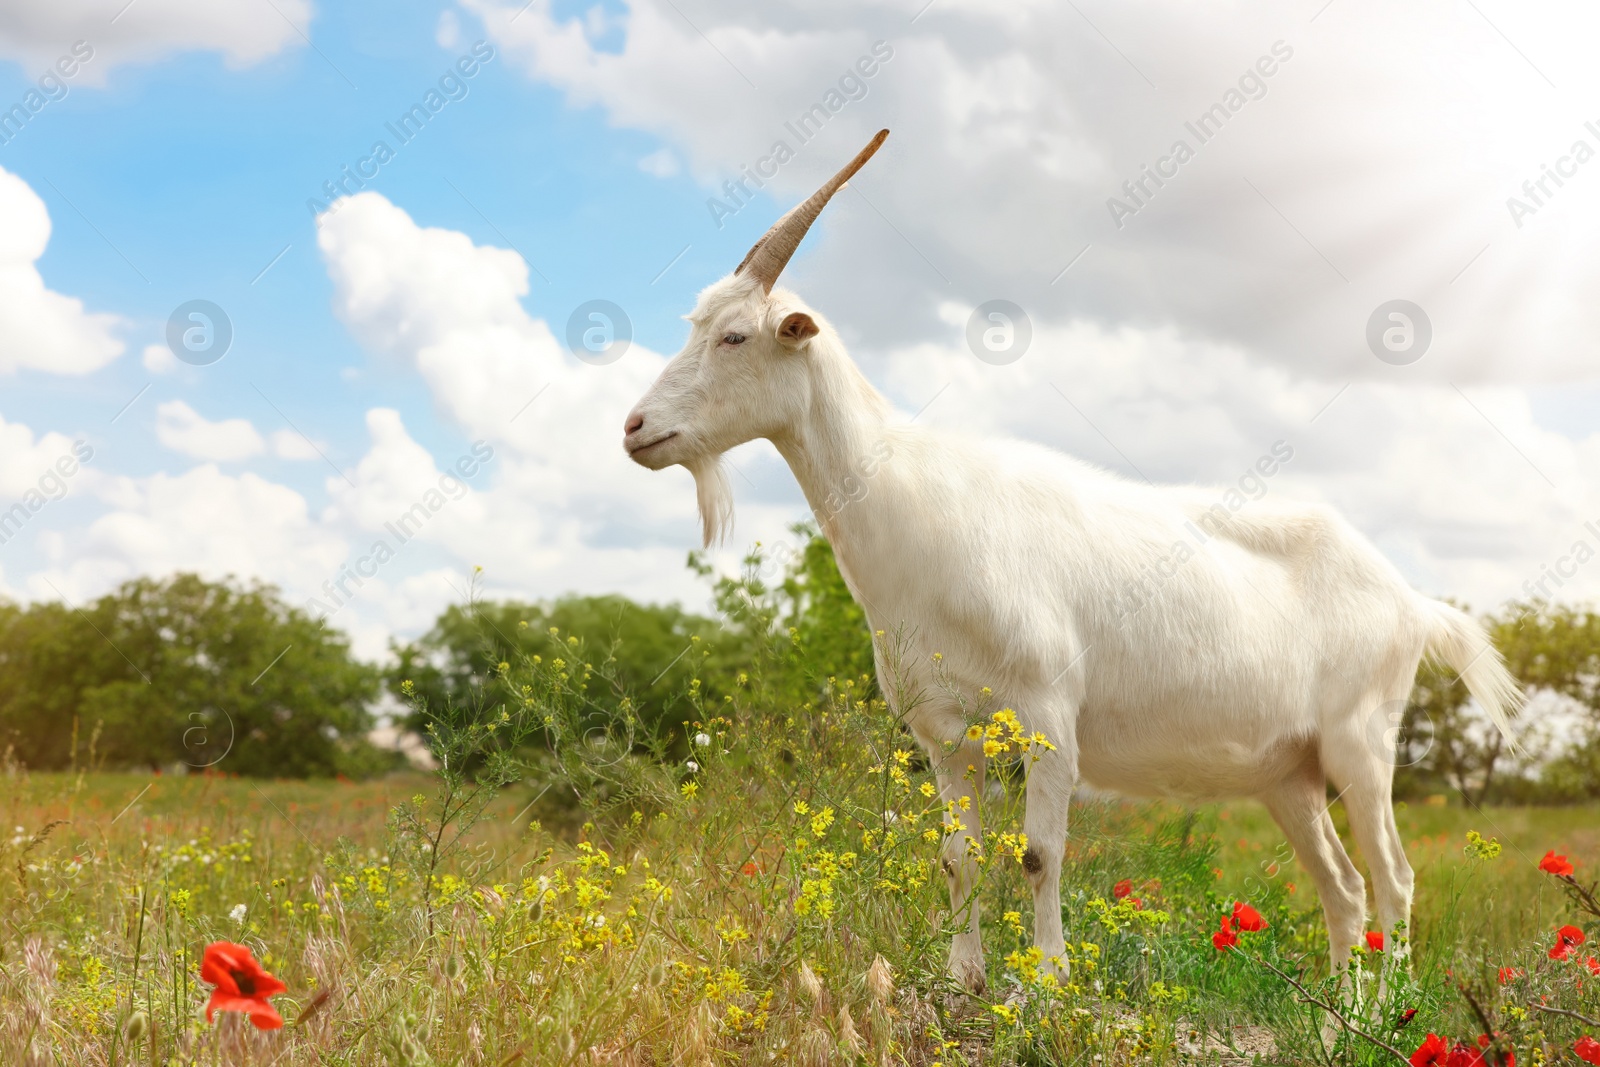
(742, 374)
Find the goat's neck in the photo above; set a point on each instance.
(836, 453)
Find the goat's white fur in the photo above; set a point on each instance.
(1259, 669)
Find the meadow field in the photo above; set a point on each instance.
(773, 899)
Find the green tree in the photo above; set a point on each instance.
(787, 620)
(41, 670)
(186, 671)
(1557, 648)
(1449, 744)
(651, 650)
(793, 620)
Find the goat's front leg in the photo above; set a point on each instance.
(960, 775)
(1051, 779)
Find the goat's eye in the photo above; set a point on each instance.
(733, 338)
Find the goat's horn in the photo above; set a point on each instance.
(771, 254)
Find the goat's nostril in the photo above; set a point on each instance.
(634, 424)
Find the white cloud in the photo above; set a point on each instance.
(158, 359)
(40, 329)
(182, 429)
(396, 475)
(202, 521)
(660, 164)
(1376, 165)
(286, 444)
(244, 31)
(218, 525)
(26, 459)
(447, 34)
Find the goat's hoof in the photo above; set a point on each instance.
(969, 973)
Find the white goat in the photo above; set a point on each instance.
(1266, 665)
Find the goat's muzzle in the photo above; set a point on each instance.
(645, 445)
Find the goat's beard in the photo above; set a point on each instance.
(715, 497)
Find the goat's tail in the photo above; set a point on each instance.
(1458, 641)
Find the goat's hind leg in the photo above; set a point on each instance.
(1300, 807)
(1364, 770)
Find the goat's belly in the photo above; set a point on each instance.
(1190, 769)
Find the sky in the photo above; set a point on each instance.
(274, 273)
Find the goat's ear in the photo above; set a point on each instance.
(796, 328)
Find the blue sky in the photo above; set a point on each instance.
(1226, 314)
(185, 179)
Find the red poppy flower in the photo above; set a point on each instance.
(1375, 940)
(749, 869)
(1593, 965)
(1247, 918)
(1122, 888)
(1225, 938)
(1559, 866)
(1137, 902)
(1431, 1053)
(1405, 1018)
(241, 984)
(1588, 1049)
(1566, 937)
(1465, 1056)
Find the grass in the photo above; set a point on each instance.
(778, 902)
